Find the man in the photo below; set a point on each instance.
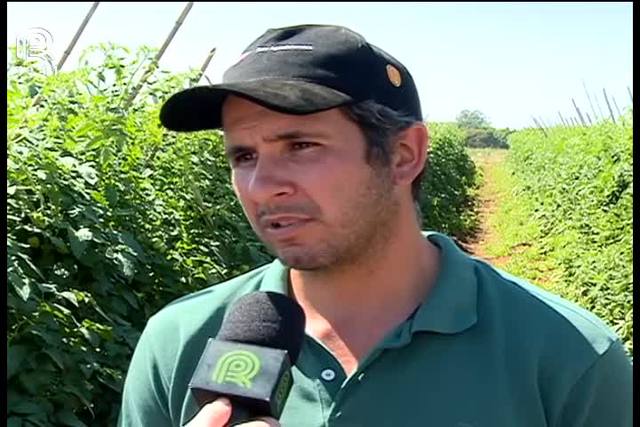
(327, 146)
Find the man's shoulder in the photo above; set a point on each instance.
(197, 308)
(551, 315)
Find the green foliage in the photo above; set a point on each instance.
(472, 119)
(450, 183)
(110, 217)
(486, 138)
(580, 182)
(478, 131)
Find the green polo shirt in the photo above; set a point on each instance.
(485, 349)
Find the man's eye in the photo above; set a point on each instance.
(243, 158)
(303, 144)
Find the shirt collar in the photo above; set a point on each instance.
(449, 308)
(276, 278)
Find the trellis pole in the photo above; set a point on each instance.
(579, 113)
(67, 52)
(69, 48)
(539, 126)
(204, 66)
(604, 92)
(562, 119)
(154, 63)
(595, 116)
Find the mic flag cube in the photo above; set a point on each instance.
(258, 378)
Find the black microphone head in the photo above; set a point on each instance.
(267, 319)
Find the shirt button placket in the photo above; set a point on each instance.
(328, 374)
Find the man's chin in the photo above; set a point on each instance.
(300, 260)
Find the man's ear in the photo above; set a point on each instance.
(409, 153)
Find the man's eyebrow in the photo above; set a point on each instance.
(232, 149)
(296, 134)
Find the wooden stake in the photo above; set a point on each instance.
(154, 63)
(579, 113)
(562, 120)
(588, 118)
(599, 109)
(604, 92)
(539, 126)
(204, 66)
(616, 105)
(589, 99)
(67, 52)
(544, 125)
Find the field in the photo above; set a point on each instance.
(557, 210)
(110, 217)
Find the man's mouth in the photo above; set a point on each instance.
(284, 227)
(282, 224)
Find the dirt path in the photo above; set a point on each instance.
(489, 197)
(507, 237)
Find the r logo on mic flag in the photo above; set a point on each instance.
(250, 359)
(255, 376)
(238, 367)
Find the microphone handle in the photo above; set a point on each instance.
(239, 415)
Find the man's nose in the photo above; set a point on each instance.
(270, 178)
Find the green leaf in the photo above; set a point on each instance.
(26, 259)
(100, 311)
(90, 336)
(26, 407)
(84, 234)
(131, 298)
(21, 285)
(111, 193)
(88, 173)
(128, 239)
(72, 389)
(111, 383)
(68, 418)
(79, 240)
(64, 310)
(39, 419)
(126, 266)
(15, 356)
(56, 356)
(59, 244)
(14, 422)
(68, 161)
(69, 296)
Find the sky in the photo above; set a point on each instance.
(510, 60)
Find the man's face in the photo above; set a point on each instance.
(304, 184)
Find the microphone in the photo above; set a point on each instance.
(250, 359)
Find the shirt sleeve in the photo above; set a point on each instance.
(603, 395)
(145, 394)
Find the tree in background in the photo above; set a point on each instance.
(475, 119)
(479, 132)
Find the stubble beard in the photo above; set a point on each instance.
(366, 225)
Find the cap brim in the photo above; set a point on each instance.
(200, 107)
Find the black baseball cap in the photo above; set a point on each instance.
(299, 70)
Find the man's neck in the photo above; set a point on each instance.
(400, 276)
(351, 309)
